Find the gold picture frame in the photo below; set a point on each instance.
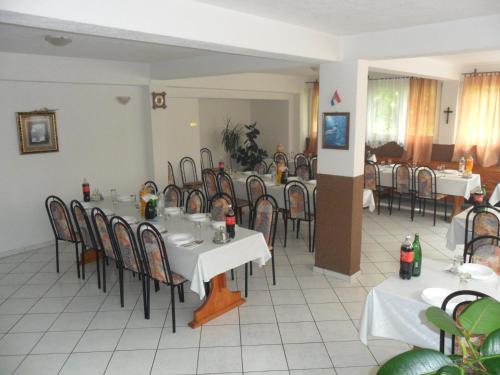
(37, 132)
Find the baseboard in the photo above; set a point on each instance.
(20, 250)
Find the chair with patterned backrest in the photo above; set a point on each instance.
(297, 207)
(302, 172)
(484, 223)
(219, 206)
(189, 174)
(209, 178)
(206, 159)
(280, 157)
(401, 184)
(151, 186)
(173, 196)
(84, 229)
(260, 167)
(299, 160)
(170, 175)
(271, 167)
(225, 183)
(104, 240)
(128, 254)
(372, 181)
(61, 224)
(255, 188)
(484, 250)
(195, 202)
(314, 167)
(156, 266)
(465, 297)
(425, 185)
(264, 220)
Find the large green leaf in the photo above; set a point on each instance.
(481, 317)
(450, 370)
(490, 352)
(442, 320)
(415, 362)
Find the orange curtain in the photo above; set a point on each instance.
(479, 119)
(313, 120)
(421, 119)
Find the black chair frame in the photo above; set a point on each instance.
(307, 207)
(249, 193)
(469, 247)
(199, 193)
(395, 184)
(423, 200)
(489, 210)
(178, 192)
(151, 185)
(206, 151)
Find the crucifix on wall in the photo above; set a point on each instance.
(448, 112)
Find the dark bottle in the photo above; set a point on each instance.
(417, 256)
(221, 167)
(150, 211)
(406, 259)
(284, 176)
(485, 198)
(86, 190)
(230, 222)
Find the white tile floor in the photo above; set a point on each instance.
(307, 324)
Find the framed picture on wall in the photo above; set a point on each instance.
(336, 130)
(37, 132)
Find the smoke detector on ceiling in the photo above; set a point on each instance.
(58, 40)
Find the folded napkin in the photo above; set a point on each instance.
(373, 158)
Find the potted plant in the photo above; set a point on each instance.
(481, 317)
(231, 139)
(251, 154)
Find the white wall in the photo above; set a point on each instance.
(449, 98)
(100, 139)
(272, 121)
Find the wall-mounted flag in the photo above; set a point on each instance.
(335, 98)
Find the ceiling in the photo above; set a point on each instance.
(345, 17)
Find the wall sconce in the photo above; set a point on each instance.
(123, 99)
(193, 124)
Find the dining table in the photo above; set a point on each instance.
(448, 182)
(495, 195)
(203, 262)
(456, 231)
(277, 190)
(395, 309)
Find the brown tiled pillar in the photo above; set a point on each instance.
(340, 172)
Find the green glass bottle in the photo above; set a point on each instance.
(417, 260)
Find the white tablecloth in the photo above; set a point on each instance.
(456, 231)
(394, 308)
(495, 196)
(368, 200)
(446, 184)
(206, 261)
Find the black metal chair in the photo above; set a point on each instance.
(206, 159)
(173, 196)
(484, 250)
(300, 160)
(210, 184)
(302, 172)
(189, 174)
(265, 219)
(402, 184)
(225, 183)
(484, 223)
(105, 242)
(61, 224)
(195, 202)
(372, 181)
(219, 206)
(314, 167)
(255, 187)
(170, 175)
(260, 167)
(426, 189)
(271, 167)
(151, 185)
(156, 266)
(129, 256)
(474, 295)
(279, 157)
(86, 233)
(297, 207)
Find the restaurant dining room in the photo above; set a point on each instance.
(250, 187)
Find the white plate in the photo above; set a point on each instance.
(435, 296)
(172, 210)
(198, 217)
(130, 220)
(217, 224)
(248, 173)
(477, 271)
(179, 239)
(268, 175)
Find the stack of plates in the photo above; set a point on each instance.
(179, 239)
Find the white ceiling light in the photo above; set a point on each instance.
(58, 41)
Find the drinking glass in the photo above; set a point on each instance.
(114, 196)
(458, 260)
(197, 231)
(464, 277)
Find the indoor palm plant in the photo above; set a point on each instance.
(231, 136)
(481, 317)
(250, 154)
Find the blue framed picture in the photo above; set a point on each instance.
(336, 130)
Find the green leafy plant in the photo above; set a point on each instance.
(481, 317)
(231, 139)
(251, 154)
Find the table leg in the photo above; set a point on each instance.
(458, 201)
(219, 301)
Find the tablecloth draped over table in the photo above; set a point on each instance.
(448, 184)
(456, 231)
(495, 196)
(394, 309)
